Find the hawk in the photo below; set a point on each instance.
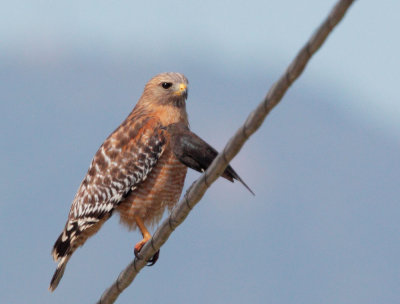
(139, 170)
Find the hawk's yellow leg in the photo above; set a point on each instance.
(146, 237)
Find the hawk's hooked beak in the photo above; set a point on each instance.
(182, 90)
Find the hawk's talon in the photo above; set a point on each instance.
(152, 260)
(136, 252)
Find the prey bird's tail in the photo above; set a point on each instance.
(231, 175)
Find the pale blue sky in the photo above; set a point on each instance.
(363, 55)
(325, 166)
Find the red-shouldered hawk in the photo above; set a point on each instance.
(139, 170)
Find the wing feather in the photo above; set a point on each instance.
(120, 165)
(122, 162)
(195, 153)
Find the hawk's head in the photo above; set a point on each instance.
(167, 89)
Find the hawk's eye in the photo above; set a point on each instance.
(166, 85)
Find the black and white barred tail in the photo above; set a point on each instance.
(58, 273)
(74, 235)
(62, 251)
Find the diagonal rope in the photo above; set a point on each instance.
(252, 123)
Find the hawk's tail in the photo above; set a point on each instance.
(75, 234)
(58, 273)
(62, 251)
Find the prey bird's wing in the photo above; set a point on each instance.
(197, 154)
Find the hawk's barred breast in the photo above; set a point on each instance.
(159, 191)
